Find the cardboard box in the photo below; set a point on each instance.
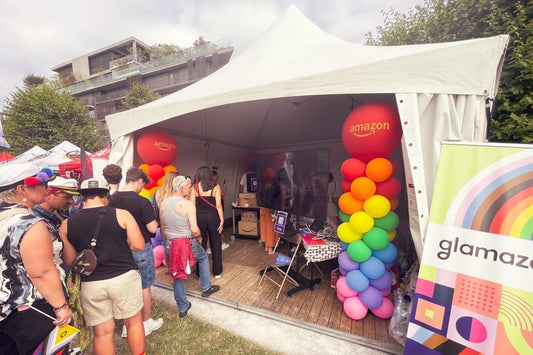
(248, 228)
(249, 216)
(247, 199)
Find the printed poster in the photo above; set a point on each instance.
(474, 293)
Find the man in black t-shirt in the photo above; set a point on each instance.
(143, 212)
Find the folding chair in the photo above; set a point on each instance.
(281, 263)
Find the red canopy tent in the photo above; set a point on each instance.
(5, 156)
(72, 168)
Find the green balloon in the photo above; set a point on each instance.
(389, 222)
(376, 238)
(344, 216)
(359, 251)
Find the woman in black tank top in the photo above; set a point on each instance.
(206, 194)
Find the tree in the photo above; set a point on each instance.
(32, 80)
(40, 116)
(137, 95)
(453, 20)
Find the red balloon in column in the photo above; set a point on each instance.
(157, 147)
(372, 130)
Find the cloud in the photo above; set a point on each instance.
(37, 36)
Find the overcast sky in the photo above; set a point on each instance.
(37, 35)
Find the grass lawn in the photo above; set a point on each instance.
(187, 336)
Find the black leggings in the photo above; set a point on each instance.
(208, 224)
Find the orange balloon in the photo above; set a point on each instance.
(144, 167)
(362, 188)
(170, 168)
(160, 181)
(152, 191)
(378, 169)
(349, 204)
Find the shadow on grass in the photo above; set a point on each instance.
(186, 336)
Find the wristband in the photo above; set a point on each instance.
(57, 309)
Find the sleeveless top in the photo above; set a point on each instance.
(16, 288)
(176, 225)
(203, 207)
(112, 249)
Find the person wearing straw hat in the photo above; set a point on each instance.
(30, 282)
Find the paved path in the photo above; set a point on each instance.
(285, 336)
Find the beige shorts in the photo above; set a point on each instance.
(119, 298)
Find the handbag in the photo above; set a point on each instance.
(86, 261)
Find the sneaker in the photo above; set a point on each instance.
(208, 250)
(151, 325)
(225, 246)
(124, 332)
(210, 291)
(218, 276)
(184, 313)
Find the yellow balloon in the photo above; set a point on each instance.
(392, 235)
(145, 193)
(361, 222)
(347, 234)
(377, 206)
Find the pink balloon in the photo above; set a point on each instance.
(340, 296)
(344, 289)
(385, 310)
(159, 255)
(354, 308)
(385, 292)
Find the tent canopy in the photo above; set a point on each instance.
(5, 156)
(295, 86)
(298, 63)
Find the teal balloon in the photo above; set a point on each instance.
(376, 238)
(389, 222)
(359, 251)
(344, 216)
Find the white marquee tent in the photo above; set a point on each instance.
(294, 87)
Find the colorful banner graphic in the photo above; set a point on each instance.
(474, 293)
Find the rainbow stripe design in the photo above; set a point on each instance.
(498, 199)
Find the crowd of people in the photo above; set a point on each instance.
(41, 236)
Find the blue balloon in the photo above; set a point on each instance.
(383, 283)
(387, 254)
(344, 245)
(357, 281)
(373, 268)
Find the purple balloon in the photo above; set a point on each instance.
(347, 263)
(158, 239)
(342, 271)
(383, 283)
(371, 297)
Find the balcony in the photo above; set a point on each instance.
(124, 67)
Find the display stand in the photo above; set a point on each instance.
(235, 234)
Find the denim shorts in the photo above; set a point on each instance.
(146, 264)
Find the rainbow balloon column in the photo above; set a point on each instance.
(157, 149)
(370, 134)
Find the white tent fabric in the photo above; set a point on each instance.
(27, 155)
(296, 84)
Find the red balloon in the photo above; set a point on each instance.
(389, 188)
(346, 185)
(353, 168)
(157, 147)
(155, 172)
(372, 130)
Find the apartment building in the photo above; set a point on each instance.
(102, 77)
